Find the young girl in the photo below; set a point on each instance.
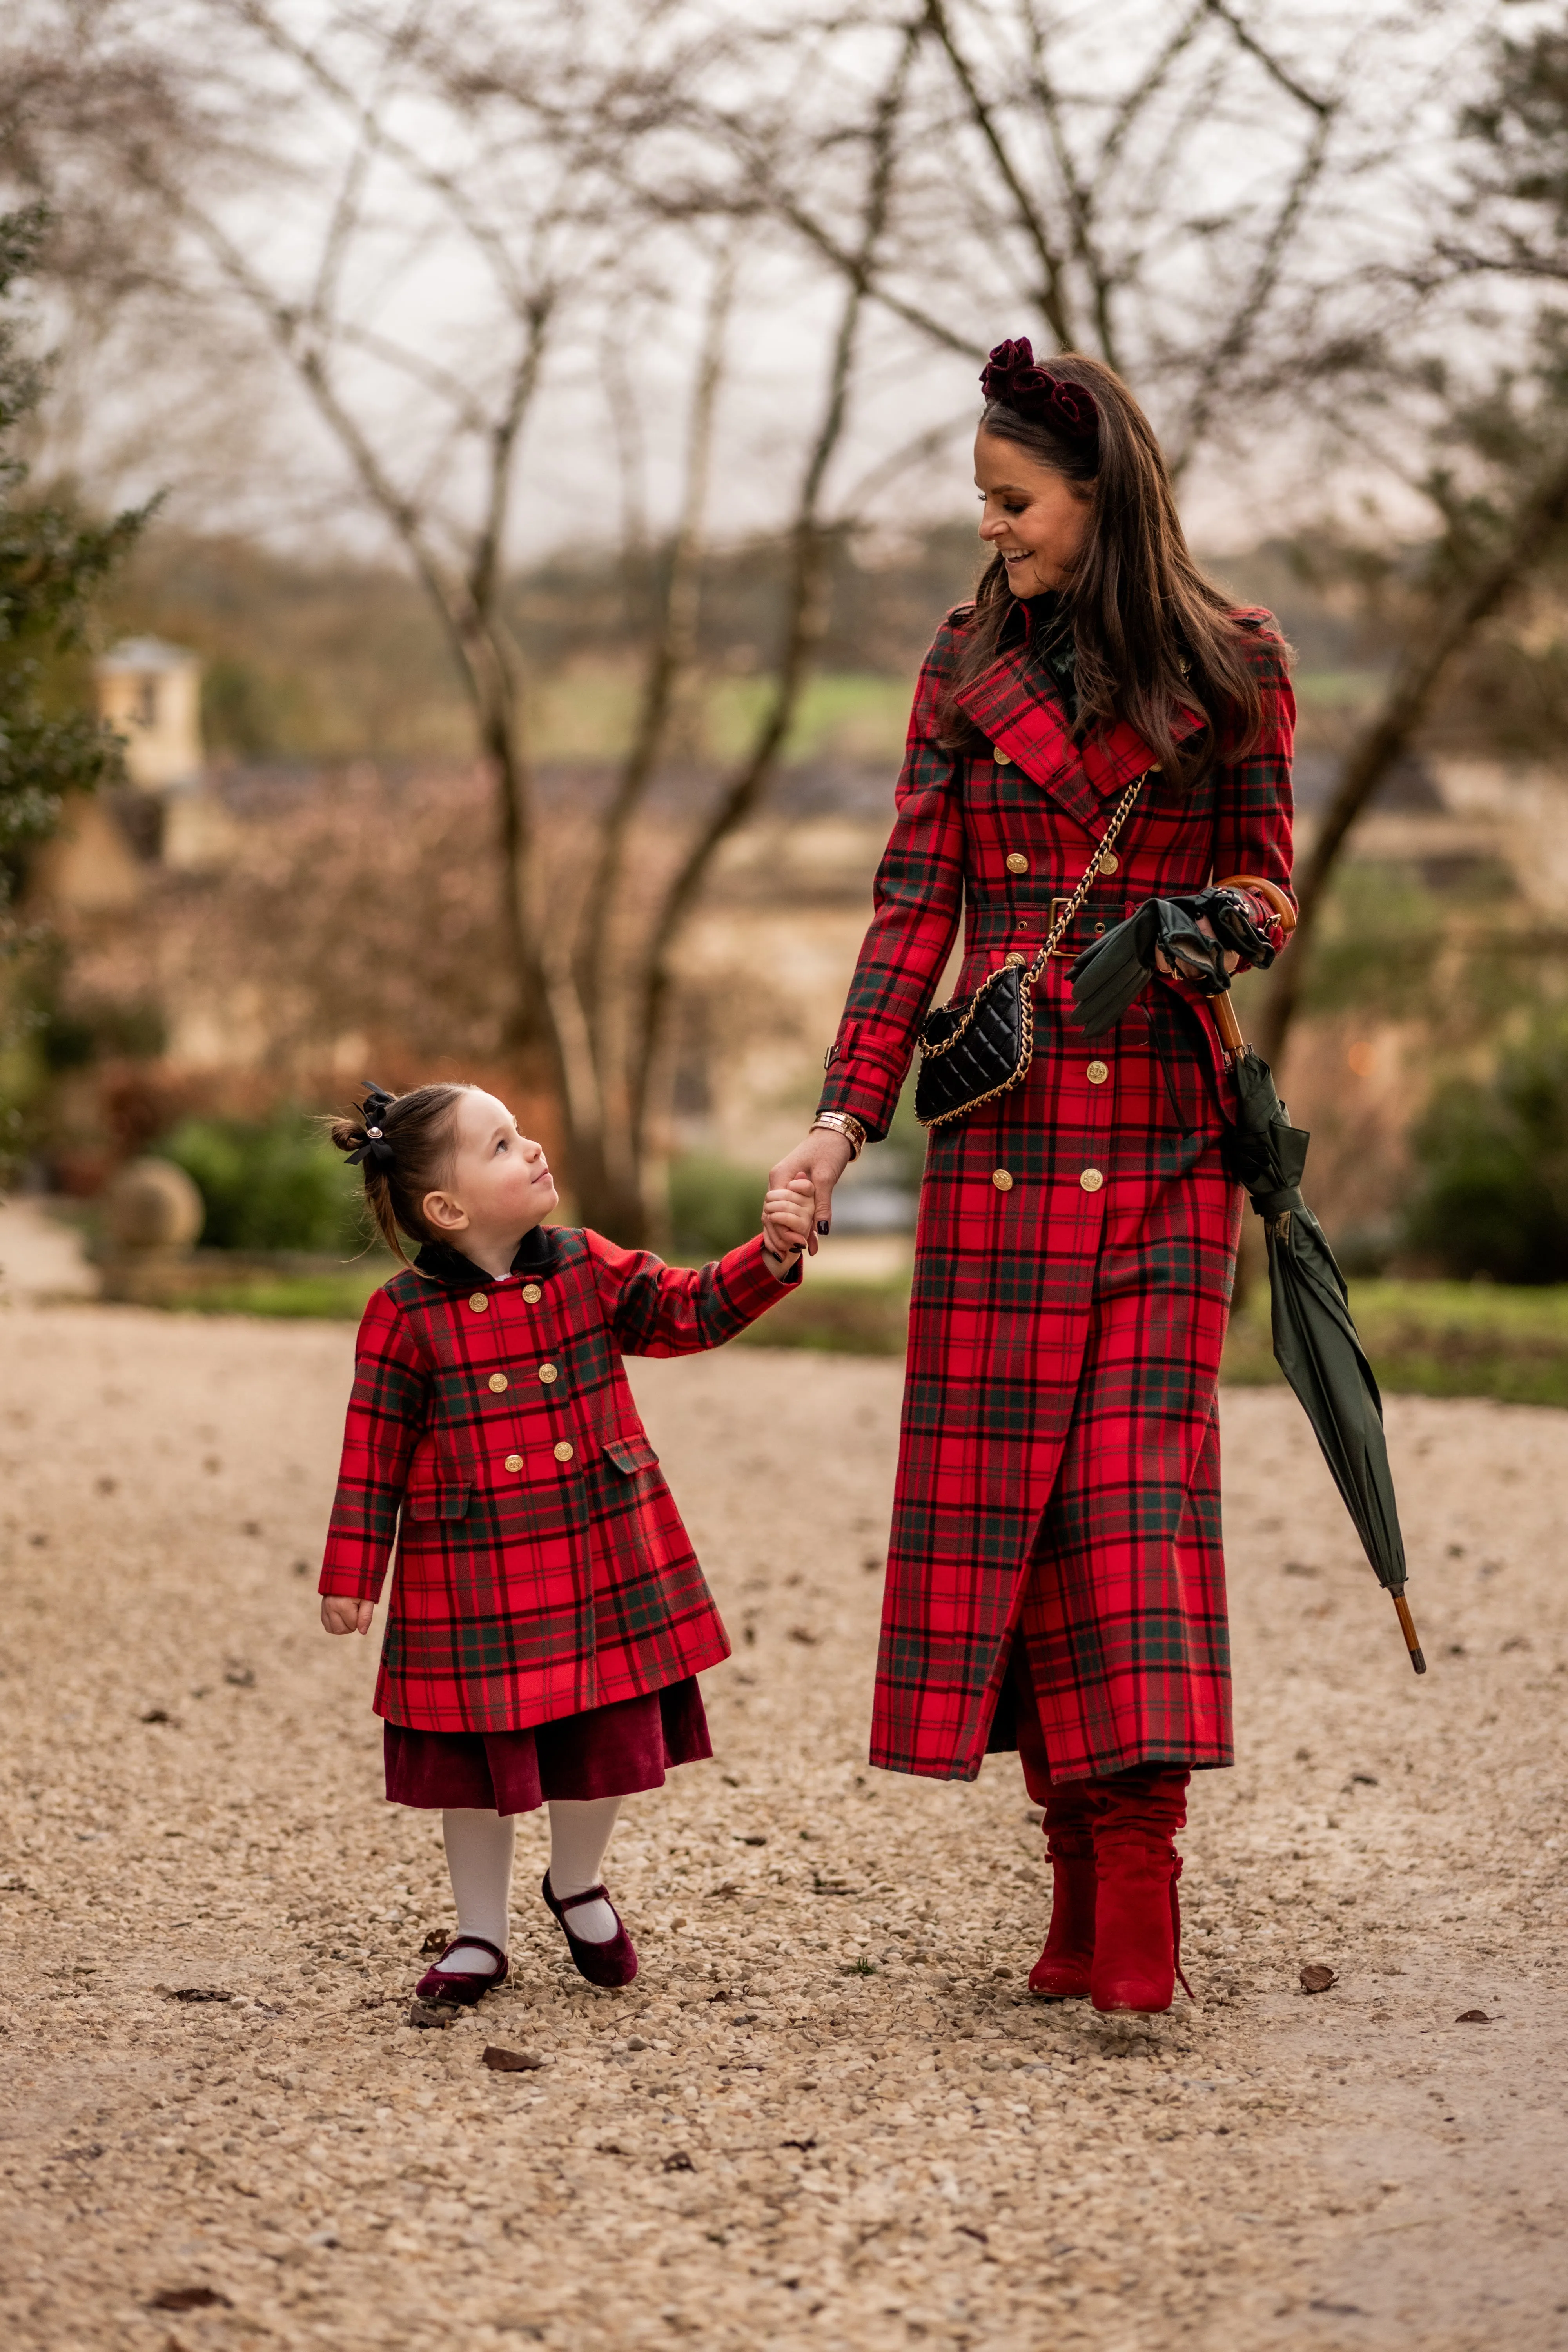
(548, 1617)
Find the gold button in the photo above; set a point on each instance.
(515, 1461)
(1015, 957)
(479, 1302)
(1109, 861)
(548, 1374)
(1096, 1073)
(532, 1294)
(1002, 1180)
(565, 1450)
(1001, 758)
(1017, 862)
(1092, 1180)
(497, 1382)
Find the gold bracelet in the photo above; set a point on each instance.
(844, 1123)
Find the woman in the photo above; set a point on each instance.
(1055, 1578)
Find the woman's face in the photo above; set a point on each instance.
(1034, 517)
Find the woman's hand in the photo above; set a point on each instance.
(341, 1615)
(789, 1213)
(1231, 960)
(821, 1159)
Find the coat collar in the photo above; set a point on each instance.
(1013, 705)
(443, 1264)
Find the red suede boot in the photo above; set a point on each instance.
(1062, 1970)
(1138, 1918)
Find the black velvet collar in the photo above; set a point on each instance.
(535, 1254)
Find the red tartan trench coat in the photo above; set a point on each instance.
(1059, 1468)
(542, 1568)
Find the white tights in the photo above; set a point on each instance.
(478, 1856)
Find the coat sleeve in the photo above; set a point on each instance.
(1253, 807)
(918, 898)
(656, 1309)
(388, 1411)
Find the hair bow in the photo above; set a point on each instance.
(369, 1142)
(1011, 376)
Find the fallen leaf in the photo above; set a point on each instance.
(435, 2013)
(678, 2161)
(197, 1992)
(1316, 1978)
(187, 2298)
(157, 1715)
(436, 1941)
(511, 2062)
(1472, 2017)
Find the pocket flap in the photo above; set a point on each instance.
(439, 1503)
(631, 1453)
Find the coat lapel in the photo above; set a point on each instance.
(1014, 706)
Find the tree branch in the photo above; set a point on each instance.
(1539, 519)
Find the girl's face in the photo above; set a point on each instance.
(1034, 517)
(500, 1184)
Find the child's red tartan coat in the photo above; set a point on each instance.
(1058, 1473)
(542, 1565)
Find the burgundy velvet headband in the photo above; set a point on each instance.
(1011, 376)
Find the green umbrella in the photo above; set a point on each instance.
(1315, 1342)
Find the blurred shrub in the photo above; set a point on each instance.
(1493, 1197)
(277, 1186)
(713, 1204)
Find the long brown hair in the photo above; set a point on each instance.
(1151, 635)
(404, 1145)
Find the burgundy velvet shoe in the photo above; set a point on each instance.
(607, 1965)
(461, 1987)
(1062, 1970)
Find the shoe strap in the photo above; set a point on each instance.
(575, 1902)
(479, 1944)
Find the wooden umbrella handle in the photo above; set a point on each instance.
(1284, 912)
(1407, 1627)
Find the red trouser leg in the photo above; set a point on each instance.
(1062, 1970)
(1138, 1920)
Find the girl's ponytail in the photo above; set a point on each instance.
(403, 1144)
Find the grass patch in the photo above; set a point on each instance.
(324, 1297)
(1435, 1339)
(837, 1319)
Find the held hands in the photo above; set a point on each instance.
(820, 1160)
(341, 1615)
(789, 1217)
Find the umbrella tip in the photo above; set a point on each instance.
(1419, 1661)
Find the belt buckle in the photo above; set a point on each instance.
(1061, 948)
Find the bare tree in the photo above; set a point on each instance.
(511, 148)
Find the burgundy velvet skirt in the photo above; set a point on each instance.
(606, 1751)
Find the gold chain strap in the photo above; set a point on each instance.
(1123, 811)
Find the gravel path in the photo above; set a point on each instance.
(828, 2115)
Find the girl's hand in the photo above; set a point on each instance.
(789, 1214)
(821, 1159)
(341, 1615)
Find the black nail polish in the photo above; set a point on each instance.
(824, 1224)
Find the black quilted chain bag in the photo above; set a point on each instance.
(971, 1052)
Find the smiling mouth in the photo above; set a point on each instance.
(544, 1177)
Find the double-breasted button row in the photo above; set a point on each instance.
(1092, 1180)
(480, 1300)
(562, 1449)
(548, 1373)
